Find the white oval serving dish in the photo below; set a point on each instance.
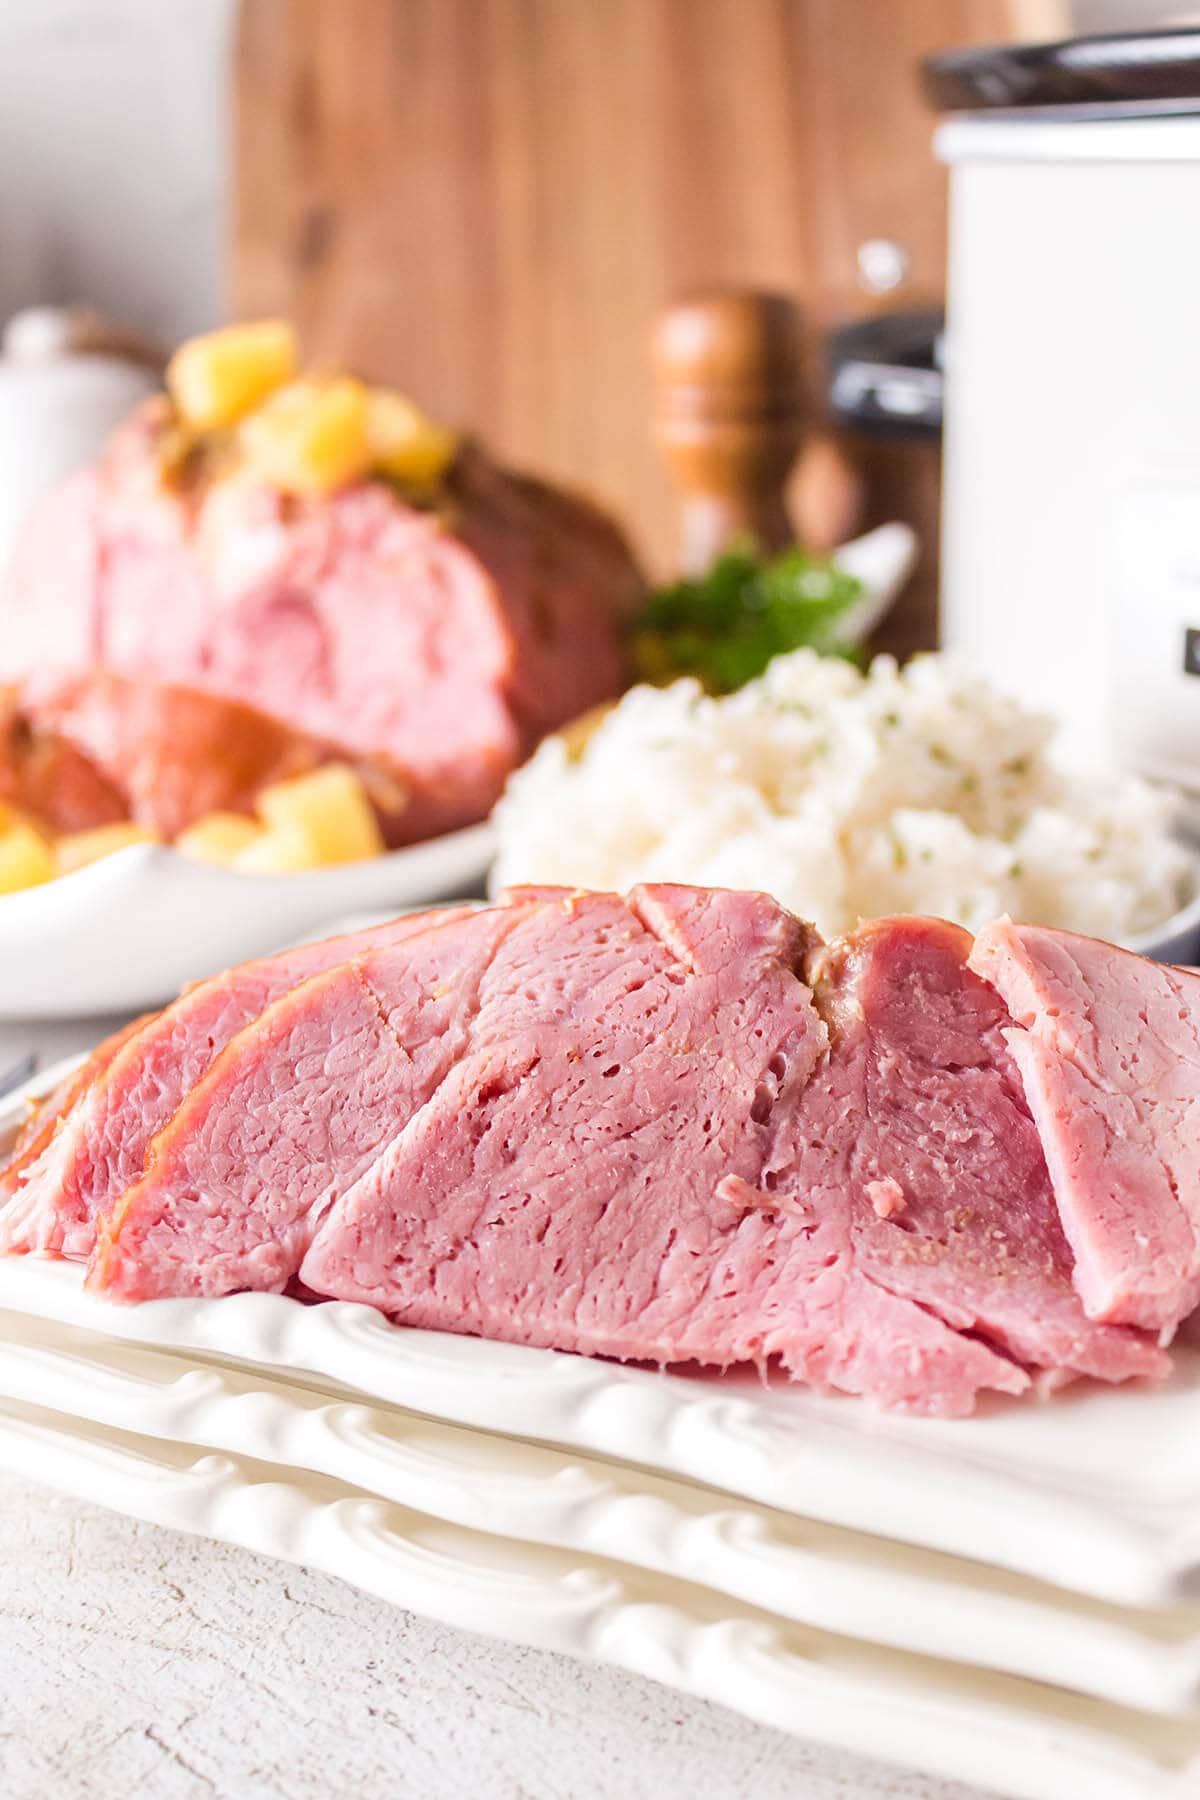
(129, 931)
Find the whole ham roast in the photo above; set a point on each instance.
(674, 1127)
(156, 609)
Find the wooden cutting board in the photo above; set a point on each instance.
(487, 201)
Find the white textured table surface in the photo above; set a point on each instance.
(138, 1662)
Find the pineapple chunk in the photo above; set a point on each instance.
(78, 848)
(309, 437)
(404, 443)
(26, 859)
(286, 850)
(329, 809)
(219, 837)
(216, 379)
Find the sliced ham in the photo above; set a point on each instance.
(90, 1144)
(921, 1097)
(292, 1113)
(778, 1252)
(44, 773)
(1108, 1046)
(45, 1118)
(170, 754)
(672, 1128)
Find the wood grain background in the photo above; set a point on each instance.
(486, 201)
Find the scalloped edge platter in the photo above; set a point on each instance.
(817, 1575)
(1105, 1482)
(1096, 1491)
(955, 1722)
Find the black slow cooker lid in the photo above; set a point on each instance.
(1121, 70)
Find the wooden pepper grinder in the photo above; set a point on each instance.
(728, 416)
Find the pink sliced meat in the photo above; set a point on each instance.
(672, 1128)
(625, 1128)
(920, 1112)
(168, 754)
(574, 1185)
(1108, 1047)
(96, 1143)
(292, 1113)
(46, 1117)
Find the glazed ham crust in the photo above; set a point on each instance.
(440, 643)
(164, 756)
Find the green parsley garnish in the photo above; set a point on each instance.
(726, 626)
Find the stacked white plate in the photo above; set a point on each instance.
(1013, 1600)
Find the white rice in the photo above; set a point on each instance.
(848, 796)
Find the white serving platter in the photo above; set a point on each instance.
(1096, 1491)
(817, 1575)
(1014, 1736)
(129, 931)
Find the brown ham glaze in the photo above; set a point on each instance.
(171, 754)
(47, 776)
(435, 643)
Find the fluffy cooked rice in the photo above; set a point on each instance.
(848, 796)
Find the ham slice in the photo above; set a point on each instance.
(1108, 1046)
(172, 754)
(292, 1113)
(90, 1144)
(45, 1119)
(671, 1128)
(921, 1097)
(43, 773)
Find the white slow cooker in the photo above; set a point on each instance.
(1071, 509)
